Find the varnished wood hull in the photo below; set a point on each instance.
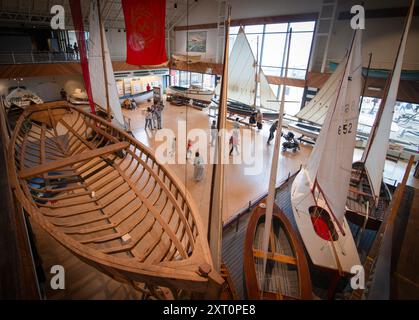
(358, 196)
(287, 269)
(103, 195)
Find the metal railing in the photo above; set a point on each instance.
(45, 57)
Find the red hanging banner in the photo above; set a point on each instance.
(81, 42)
(145, 28)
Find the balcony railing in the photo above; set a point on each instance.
(44, 57)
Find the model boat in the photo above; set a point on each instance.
(21, 98)
(287, 274)
(368, 196)
(105, 197)
(320, 190)
(195, 93)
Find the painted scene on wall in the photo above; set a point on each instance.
(197, 41)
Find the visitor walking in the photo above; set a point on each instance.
(259, 119)
(148, 119)
(198, 163)
(234, 144)
(157, 111)
(189, 149)
(172, 152)
(214, 132)
(272, 130)
(76, 51)
(154, 116)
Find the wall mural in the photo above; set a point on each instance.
(196, 41)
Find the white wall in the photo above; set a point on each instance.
(381, 37)
(47, 88)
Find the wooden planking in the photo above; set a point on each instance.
(50, 166)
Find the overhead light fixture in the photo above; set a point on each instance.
(375, 89)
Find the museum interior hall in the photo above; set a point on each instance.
(209, 149)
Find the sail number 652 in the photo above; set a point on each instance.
(345, 129)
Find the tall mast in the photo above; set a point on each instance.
(217, 181)
(102, 39)
(274, 169)
(256, 71)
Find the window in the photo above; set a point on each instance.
(185, 79)
(272, 40)
(404, 129)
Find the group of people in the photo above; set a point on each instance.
(153, 116)
(129, 104)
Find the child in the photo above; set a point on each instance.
(198, 163)
(189, 149)
(173, 151)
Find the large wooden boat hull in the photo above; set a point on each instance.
(104, 197)
(287, 275)
(339, 253)
(360, 200)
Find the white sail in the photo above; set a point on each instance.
(268, 99)
(331, 160)
(96, 67)
(375, 153)
(316, 110)
(242, 76)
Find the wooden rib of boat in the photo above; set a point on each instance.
(287, 274)
(104, 196)
(361, 207)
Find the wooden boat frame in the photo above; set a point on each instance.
(299, 260)
(359, 215)
(185, 265)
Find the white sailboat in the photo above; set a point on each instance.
(319, 191)
(102, 79)
(243, 75)
(365, 204)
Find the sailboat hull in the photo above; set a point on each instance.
(245, 110)
(337, 253)
(287, 276)
(203, 96)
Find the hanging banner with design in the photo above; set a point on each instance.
(145, 30)
(81, 42)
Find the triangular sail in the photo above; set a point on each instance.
(375, 153)
(268, 99)
(96, 67)
(316, 110)
(329, 166)
(242, 76)
(241, 71)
